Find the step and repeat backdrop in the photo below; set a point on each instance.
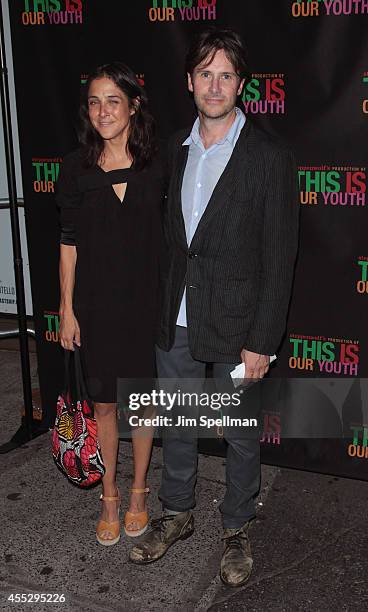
(308, 85)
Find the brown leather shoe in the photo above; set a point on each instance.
(237, 561)
(164, 533)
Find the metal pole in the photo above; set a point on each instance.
(17, 251)
(14, 333)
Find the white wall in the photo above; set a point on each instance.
(7, 283)
(9, 62)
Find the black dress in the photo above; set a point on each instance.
(117, 271)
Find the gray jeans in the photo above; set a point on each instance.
(180, 452)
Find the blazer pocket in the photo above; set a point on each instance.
(234, 296)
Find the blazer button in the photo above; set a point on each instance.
(192, 255)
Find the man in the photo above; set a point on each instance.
(231, 223)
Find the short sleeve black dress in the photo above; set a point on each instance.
(117, 271)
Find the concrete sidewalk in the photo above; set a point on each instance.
(309, 541)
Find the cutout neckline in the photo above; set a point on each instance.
(121, 175)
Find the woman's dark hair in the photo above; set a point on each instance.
(211, 40)
(140, 143)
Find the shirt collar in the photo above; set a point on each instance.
(231, 135)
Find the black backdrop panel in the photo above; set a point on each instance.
(310, 86)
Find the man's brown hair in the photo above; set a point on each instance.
(209, 41)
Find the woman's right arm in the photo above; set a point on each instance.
(68, 201)
(69, 332)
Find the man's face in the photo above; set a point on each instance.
(215, 86)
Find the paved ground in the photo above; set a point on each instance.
(310, 539)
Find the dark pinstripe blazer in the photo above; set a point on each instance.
(238, 269)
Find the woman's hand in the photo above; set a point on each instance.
(69, 332)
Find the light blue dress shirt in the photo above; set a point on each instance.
(202, 172)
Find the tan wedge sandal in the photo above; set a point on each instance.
(112, 528)
(140, 518)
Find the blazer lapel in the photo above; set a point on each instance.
(177, 186)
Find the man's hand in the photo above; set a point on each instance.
(256, 365)
(69, 332)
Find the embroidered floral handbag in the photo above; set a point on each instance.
(75, 446)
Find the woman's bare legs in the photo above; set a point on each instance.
(107, 428)
(142, 447)
(107, 431)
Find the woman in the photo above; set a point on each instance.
(109, 194)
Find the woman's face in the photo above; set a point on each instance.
(108, 109)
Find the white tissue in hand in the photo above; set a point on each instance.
(238, 374)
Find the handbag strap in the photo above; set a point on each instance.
(67, 378)
(79, 386)
(79, 375)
